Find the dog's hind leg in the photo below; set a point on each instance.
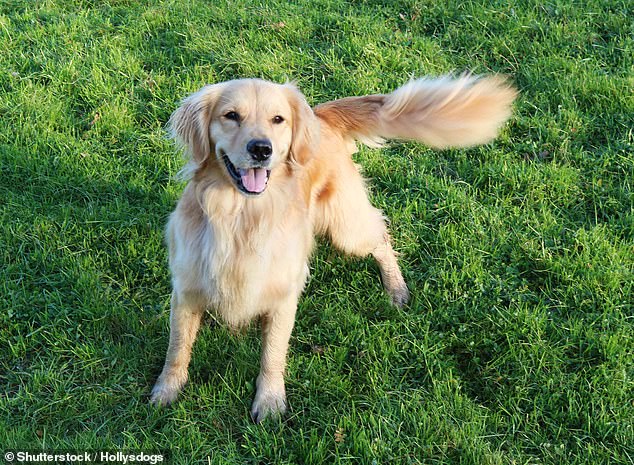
(186, 312)
(390, 272)
(357, 228)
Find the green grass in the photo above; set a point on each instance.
(518, 346)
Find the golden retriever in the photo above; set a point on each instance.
(266, 173)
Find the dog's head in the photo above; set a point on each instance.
(248, 128)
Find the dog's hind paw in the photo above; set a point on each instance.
(399, 295)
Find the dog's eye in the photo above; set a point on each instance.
(233, 116)
(278, 119)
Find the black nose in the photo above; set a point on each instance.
(260, 149)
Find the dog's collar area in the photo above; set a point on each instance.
(237, 177)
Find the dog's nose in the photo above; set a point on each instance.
(260, 149)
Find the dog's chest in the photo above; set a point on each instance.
(252, 266)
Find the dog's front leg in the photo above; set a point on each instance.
(270, 395)
(185, 315)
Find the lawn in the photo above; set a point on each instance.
(518, 345)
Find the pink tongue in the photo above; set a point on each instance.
(254, 179)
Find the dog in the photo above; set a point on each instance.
(267, 173)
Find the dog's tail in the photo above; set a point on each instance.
(442, 113)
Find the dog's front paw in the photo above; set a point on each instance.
(268, 402)
(164, 393)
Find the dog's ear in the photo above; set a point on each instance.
(305, 127)
(189, 124)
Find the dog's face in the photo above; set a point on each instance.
(250, 127)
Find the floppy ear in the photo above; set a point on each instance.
(305, 127)
(189, 124)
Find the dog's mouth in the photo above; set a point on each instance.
(250, 181)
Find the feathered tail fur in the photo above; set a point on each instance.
(442, 113)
